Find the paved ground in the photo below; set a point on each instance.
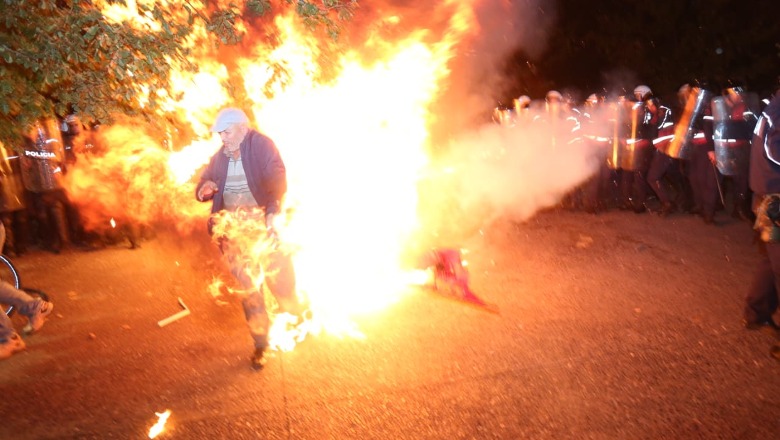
(615, 326)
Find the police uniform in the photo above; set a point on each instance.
(762, 298)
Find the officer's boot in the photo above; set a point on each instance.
(60, 219)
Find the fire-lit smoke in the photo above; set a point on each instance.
(130, 180)
(379, 132)
(507, 171)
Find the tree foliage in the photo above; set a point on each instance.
(62, 56)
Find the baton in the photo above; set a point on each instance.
(717, 182)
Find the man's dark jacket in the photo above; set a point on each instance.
(264, 169)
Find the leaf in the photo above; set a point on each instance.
(91, 32)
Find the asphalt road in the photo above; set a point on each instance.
(615, 326)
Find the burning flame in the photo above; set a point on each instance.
(355, 140)
(158, 427)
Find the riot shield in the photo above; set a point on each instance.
(42, 157)
(681, 144)
(635, 153)
(732, 132)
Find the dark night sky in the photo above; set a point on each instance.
(613, 44)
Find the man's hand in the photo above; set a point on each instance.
(207, 190)
(711, 155)
(272, 233)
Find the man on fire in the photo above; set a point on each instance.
(246, 181)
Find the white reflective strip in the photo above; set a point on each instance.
(766, 151)
(576, 123)
(759, 126)
(709, 118)
(656, 141)
(667, 116)
(698, 136)
(667, 124)
(593, 138)
(766, 138)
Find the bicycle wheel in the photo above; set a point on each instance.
(10, 275)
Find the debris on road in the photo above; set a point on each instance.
(175, 316)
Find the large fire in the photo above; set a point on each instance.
(355, 140)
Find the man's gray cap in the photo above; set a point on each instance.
(227, 117)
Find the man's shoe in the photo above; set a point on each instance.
(39, 318)
(259, 358)
(758, 325)
(12, 345)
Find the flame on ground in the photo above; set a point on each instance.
(159, 427)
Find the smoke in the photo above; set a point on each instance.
(501, 28)
(501, 171)
(480, 34)
(484, 171)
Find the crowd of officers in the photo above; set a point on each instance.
(651, 160)
(34, 204)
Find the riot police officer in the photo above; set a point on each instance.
(42, 168)
(761, 301)
(702, 174)
(636, 151)
(734, 121)
(596, 132)
(660, 128)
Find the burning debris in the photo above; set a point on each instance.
(158, 427)
(451, 278)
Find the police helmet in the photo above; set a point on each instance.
(553, 95)
(641, 91)
(523, 101)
